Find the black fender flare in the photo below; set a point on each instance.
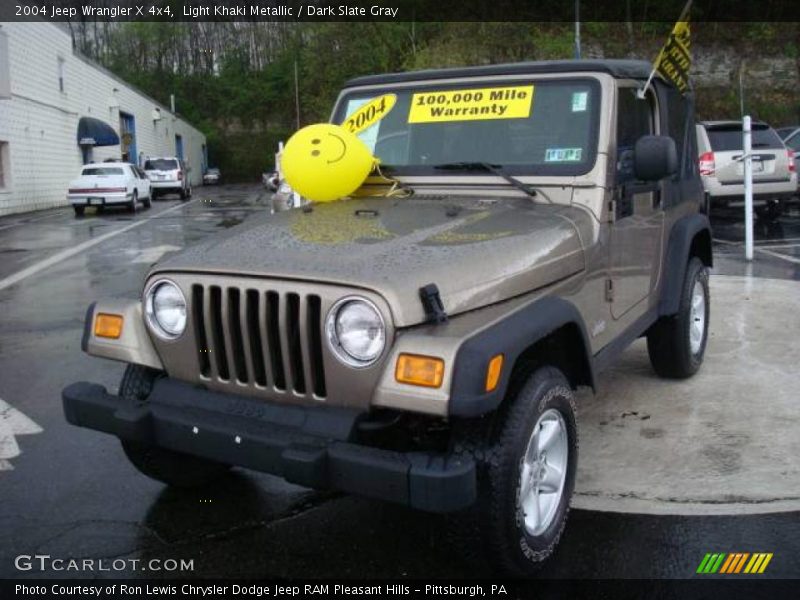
(676, 258)
(510, 337)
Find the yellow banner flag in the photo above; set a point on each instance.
(675, 58)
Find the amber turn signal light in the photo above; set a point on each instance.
(413, 369)
(493, 372)
(108, 326)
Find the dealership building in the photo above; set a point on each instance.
(59, 110)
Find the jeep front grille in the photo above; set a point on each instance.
(261, 338)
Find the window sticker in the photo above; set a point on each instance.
(471, 105)
(579, 101)
(370, 113)
(364, 116)
(563, 155)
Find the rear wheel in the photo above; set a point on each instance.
(526, 475)
(173, 468)
(132, 205)
(677, 343)
(79, 210)
(771, 211)
(185, 193)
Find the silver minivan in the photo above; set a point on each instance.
(719, 145)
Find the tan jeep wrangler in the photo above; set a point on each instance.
(423, 348)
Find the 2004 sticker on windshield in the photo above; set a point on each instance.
(370, 113)
(481, 104)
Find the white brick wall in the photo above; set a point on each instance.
(40, 123)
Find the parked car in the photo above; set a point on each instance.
(168, 175)
(719, 145)
(109, 184)
(791, 137)
(212, 176)
(425, 349)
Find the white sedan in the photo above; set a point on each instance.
(109, 184)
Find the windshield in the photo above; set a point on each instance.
(542, 127)
(102, 171)
(160, 164)
(729, 138)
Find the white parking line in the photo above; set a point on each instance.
(773, 246)
(12, 424)
(791, 259)
(763, 250)
(70, 252)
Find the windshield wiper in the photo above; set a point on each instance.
(490, 168)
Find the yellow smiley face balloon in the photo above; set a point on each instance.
(325, 162)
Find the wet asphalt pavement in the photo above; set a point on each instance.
(71, 493)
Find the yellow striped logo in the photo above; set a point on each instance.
(734, 563)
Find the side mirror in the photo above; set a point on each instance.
(654, 158)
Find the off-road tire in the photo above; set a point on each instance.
(668, 339)
(79, 210)
(173, 468)
(491, 531)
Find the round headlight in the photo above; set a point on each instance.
(356, 332)
(165, 307)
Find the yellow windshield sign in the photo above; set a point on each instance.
(369, 114)
(471, 105)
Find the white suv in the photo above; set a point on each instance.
(168, 175)
(719, 145)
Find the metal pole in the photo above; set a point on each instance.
(748, 188)
(577, 29)
(741, 89)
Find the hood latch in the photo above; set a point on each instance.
(432, 303)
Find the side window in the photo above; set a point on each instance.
(794, 143)
(5, 81)
(60, 74)
(634, 119)
(5, 168)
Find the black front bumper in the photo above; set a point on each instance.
(306, 446)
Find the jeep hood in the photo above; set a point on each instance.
(477, 251)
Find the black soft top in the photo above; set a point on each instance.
(619, 68)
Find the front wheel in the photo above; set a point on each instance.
(173, 468)
(677, 343)
(148, 202)
(526, 475)
(79, 210)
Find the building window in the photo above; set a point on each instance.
(60, 74)
(5, 83)
(5, 167)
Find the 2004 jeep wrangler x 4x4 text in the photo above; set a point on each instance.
(424, 349)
